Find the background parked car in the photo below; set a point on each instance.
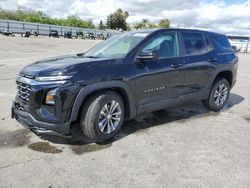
(102, 36)
(53, 33)
(90, 36)
(26, 34)
(67, 34)
(34, 33)
(6, 32)
(79, 34)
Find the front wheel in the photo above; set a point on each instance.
(218, 95)
(102, 116)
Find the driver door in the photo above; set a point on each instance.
(160, 80)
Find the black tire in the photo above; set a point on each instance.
(91, 112)
(210, 103)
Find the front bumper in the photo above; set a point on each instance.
(39, 127)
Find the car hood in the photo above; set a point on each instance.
(62, 65)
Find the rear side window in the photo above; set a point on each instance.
(220, 42)
(194, 43)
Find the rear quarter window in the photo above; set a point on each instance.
(220, 42)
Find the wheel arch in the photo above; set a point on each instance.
(117, 86)
(227, 74)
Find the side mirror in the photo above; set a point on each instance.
(146, 56)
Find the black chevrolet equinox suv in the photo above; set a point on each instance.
(125, 76)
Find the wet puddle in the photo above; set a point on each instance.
(81, 149)
(78, 144)
(247, 118)
(15, 139)
(44, 147)
(209, 114)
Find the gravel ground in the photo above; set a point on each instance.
(182, 147)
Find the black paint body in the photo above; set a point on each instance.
(145, 86)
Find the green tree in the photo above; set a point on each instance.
(101, 26)
(165, 23)
(117, 20)
(145, 24)
(108, 22)
(22, 14)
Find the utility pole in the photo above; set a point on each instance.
(247, 44)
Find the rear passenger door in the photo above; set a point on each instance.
(200, 62)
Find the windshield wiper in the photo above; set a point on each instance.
(80, 54)
(90, 56)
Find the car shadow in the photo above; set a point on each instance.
(142, 123)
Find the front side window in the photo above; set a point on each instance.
(194, 43)
(165, 44)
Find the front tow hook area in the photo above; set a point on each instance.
(31, 125)
(13, 115)
(16, 117)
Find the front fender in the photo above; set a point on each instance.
(87, 90)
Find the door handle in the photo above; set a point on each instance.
(212, 59)
(175, 65)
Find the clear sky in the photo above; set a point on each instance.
(234, 1)
(227, 16)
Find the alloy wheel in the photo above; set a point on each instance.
(220, 95)
(110, 117)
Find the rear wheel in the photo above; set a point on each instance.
(218, 95)
(102, 116)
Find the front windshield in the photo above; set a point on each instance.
(117, 46)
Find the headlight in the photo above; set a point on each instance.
(52, 78)
(50, 97)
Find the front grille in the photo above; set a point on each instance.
(23, 91)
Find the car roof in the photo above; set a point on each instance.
(149, 31)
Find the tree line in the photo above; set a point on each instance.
(116, 20)
(40, 17)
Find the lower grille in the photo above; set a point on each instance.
(23, 91)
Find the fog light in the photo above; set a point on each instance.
(50, 97)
